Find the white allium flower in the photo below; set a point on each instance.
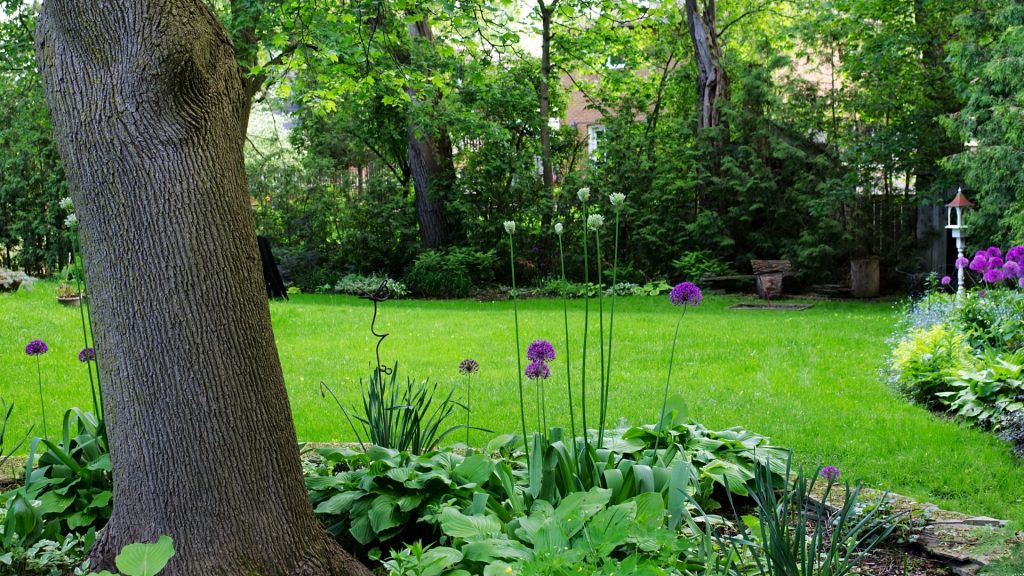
(559, 228)
(71, 221)
(66, 203)
(617, 199)
(595, 221)
(584, 194)
(510, 226)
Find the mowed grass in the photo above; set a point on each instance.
(809, 380)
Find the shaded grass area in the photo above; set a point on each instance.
(809, 379)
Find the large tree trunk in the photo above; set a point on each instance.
(431, 163)
(146, 101)
(712, 82)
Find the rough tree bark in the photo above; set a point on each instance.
(712, 82)
(146, 100)
(430, 161)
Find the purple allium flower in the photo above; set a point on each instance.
(830, 473)
(962, 263)
(994, 252)
(468, 366)
(982, 293)
(994, 276)
(36, 347)
(540, 351)
(538, 370)
(980, 262)
(1016, 254)
(685, 294)
(946, 280)
(1011, 269)
(87, 355)
(995, 262)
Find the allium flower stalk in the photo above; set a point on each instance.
(540, 351)
(510, 227)
(830, 473)
(568, 365)
(539, 371)
(617, 199)
(467, 368)
(37, 348)
(684, 295)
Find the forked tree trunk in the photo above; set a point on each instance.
(712, 82)
(146, 101)
(547, 12)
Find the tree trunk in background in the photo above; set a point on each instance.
(544, 94)
(146, 100)
(431, 162)
(712, 82)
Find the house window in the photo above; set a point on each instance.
(595, 135)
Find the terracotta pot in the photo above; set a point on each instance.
(71, 301)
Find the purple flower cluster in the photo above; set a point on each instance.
(830, 473)
(540, 352)
(946, 280)
(685, 294)
(36, 347)
(87, 355)
(538, 370)
(995, 267)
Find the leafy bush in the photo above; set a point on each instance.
(45, 557)
(992, 320)
(925, 359)
(450, 274)
(71, 482)
(622, 289)
(693, 266)
(359, 285)
(553, 287)
(985, 396)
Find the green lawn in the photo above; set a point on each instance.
(809, 379)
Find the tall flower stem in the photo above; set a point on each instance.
(467, 411)
(86, 317)
(519, 352)
(568, 365)
(42, 405)
(603, 399)
(668, 380)
(586, 326)
(611, 317)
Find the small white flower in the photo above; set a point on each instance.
(510, 226)
(595, 221)
(71, 221)
(66, 203)
(584, 194)
(617, 199)
(559, 228)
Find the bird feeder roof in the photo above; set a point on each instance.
(960, 201)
